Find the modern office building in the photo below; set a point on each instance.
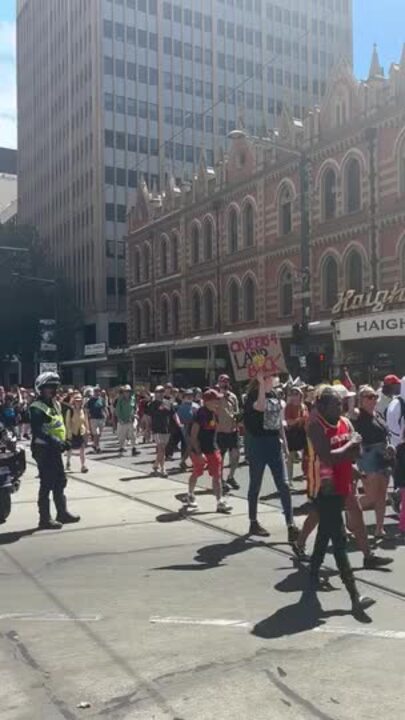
(112, 92)
(8, 185)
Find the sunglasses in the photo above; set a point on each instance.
(370, 397)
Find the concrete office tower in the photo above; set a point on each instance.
(111, 92)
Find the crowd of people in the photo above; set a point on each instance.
(349, 441)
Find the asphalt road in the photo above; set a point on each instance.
(143, 615)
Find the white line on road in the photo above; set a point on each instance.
(50, 617)
(332, 630)
(368, 632)
(156, 619)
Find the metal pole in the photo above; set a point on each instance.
(217, 206)
(371, 135)
(305, 270)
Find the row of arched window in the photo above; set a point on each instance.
(353, 272)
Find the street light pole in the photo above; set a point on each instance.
(305, 259)
(371, 135)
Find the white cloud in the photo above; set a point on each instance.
(8, 90)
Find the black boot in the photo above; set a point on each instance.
(64, 516)
(45, 520)
(360, 603)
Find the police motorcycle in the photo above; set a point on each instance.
(12, 468)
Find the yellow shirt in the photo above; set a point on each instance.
(76, 422)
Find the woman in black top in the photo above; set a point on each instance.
(375, 459)
(263, 419)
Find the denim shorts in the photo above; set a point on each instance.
(372, 459)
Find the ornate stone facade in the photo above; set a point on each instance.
(223, 253)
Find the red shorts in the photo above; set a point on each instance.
(210, 461)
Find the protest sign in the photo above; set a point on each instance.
(252, 353)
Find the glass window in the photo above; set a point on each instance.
(354, 266)
(131, 35)
(208, 90)
(120, 177)
(132, 182)
(121, 213)
(110, 211)
(167, 10)
(119, 68)
(131, 71)
(196, 310)
(164, 317)
(132, 142)
(286, 293)
(108, 65)
(179, 152)
(142, 38)
(120, 140)
(109, 175)
(153, 76)
(221, 26)
(188, 85)
(178, 117)
(209, 124)
(329, 194)
(143, 109)
(188, 51)
(189, 153)
(248, 225)
(108, 29)
(249, 300)
(208, 300)
(178, 48)
(119, 31)
(178, 83)
(108, 101)
(143, 74)
(108, 138)
(167, 45)
(168, 80)
(177, 13)
(143, 145)
(233, 302)
(154, 146)
(285, 210)
(175, 315)
(208, 240)
(208, 56)
(353, 186)
(131, 106)
(330, 282)
(232, 230)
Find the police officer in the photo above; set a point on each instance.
(48, 444)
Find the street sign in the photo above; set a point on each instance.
(95, 349)
(48, 367)
(305, 295)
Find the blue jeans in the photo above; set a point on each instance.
(266, 450)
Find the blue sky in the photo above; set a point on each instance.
(380, 21)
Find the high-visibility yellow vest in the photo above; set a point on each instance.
(56, 425)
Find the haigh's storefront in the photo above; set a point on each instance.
(370, 332)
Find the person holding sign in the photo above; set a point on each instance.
(264, 423)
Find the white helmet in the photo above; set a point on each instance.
(46, 379)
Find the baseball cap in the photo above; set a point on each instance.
(392, 380)
(343, 392)
(159, 388)
(212, 394)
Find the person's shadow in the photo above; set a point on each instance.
(213, 556)
(8, 538)
(304, 615)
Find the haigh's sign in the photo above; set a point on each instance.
(373, 300)
(389, 324)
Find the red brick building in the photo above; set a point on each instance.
(223, 254)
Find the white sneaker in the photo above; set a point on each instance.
(223, 507)
(191, 502)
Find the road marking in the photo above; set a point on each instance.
(331, 630)
(50, 617)
(156, 619)
(367, 632)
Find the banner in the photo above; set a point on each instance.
(252, 353)
(47, 334)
